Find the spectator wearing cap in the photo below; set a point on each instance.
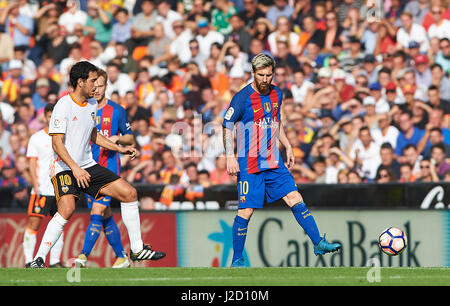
(18, 26)
(422, 70)
(411, 31)
(370, 115)
(413, 49)
(14, 80)
(370, 66)
(345, 91)
(381, 104)
(326, 122)
(207, 36)
(29, 68)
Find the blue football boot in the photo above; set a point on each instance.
(238, 263)
(325, 247)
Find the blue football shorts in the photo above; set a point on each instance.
(271, 184)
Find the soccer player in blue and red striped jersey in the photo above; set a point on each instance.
(112, 123)
(255, 114)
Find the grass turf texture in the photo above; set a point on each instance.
(341, 276)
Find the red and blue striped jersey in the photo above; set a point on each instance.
(257, 120)
(111, 120)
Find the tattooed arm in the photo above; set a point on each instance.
(228, 143)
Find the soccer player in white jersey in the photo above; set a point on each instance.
(72, 127)
(42, 200)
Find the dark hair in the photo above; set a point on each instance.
(409, 146)
(438, 146)
(406, 165)
(49, 108)
(386, 145)
(81, 70)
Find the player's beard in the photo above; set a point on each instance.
(262, 87)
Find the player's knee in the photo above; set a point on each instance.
(293, 198)
(245, 213)
(34, 223)
(130, 194)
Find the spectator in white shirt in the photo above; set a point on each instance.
(441, 26)
(300, 86)
(411, 31)
(366, 153)
(385, 132)
(118, 81)
(206, 36)
(167, 16)
(70, 18)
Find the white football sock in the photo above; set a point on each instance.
(51, 235)
(29, 243)
(55, 252)
(132, 221)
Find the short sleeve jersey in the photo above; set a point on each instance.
(40, 147)
(111, 120)
(257, 120)
(75, 120)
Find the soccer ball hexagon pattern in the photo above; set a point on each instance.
(392, 241)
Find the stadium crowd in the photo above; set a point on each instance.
(366, 88)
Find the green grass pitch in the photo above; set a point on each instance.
(298, 276)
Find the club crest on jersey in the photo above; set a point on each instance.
(106, 120)
(65, 188)
(267, 107)
(275, 105)
(97, 120)
(93, 116)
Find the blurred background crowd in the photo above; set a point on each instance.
(366, 83)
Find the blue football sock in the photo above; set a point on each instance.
(92, 233)
(112, 233)
(306, 221)
(239, 235)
